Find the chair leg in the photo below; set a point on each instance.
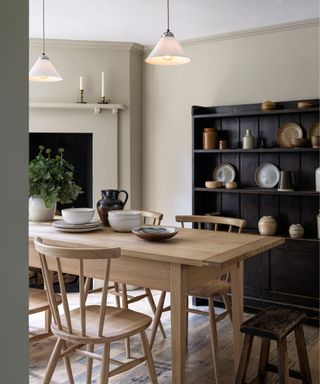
(157, 317)
(67, 365)
(264, 357)
(149, 359)
(90, 348)
(104, 373)
(244, 360)
(214, 339)
(283, 369)
(48, 319)
(303, 355)
(153, 307)
(53, 361)
(125, 306)
(227, 305)
(117, 298)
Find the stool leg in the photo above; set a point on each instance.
(283, 369)
(302, 355)
(264, 357)
(244, 359)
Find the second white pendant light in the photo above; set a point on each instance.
(43, 70)
(167, 51)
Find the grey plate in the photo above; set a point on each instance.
(267, 175)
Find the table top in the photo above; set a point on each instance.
(215, 249)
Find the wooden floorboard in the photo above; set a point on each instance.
(199, 366)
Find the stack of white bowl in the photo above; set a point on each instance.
(77, 215)
(124, 220)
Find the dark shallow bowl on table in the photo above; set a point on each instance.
(154, 232)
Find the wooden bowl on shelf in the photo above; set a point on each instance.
(213, 184)
(297, 142)
(304, 104)
(268, 105)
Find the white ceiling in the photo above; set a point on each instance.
(143, 21)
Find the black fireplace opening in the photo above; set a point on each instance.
(77, 151)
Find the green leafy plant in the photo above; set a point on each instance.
(52, 178)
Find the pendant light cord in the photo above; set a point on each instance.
(168, 29)
(43, 31)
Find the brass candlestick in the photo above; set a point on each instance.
(104, 101)
(81, 98)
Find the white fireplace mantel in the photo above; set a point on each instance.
(95, 107)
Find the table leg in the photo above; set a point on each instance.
(178, 322)
(237, 310)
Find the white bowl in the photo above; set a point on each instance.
(124, 221)
(124, 214)
(77, 215)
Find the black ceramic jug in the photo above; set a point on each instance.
(110, 201)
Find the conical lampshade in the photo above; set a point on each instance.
(43, 70)
(167, 52)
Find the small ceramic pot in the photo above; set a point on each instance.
(296, 231)
(231, 185)
(267, 226)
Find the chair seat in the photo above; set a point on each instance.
(210, 289)
(119, 323)
(38, 301)
(273, 323)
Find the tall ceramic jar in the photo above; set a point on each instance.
(247, 140)
(267, 226)
(317, 175)
(210, 138)
(318, 224)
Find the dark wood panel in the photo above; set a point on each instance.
(268, 126)
(291, 274)
(309, 211)
(249, 210)
(248, 165)
(230, 132)
(309, 163)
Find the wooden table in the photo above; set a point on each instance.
(190, 258)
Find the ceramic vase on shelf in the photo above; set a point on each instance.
(296, 231)
(317, 175)
(110, 201)
(38, 211)
(267, 226)
(247, 140)
(318, 224)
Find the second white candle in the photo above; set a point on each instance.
(102, 84)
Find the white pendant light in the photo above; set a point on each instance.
(168, 51)
(43, 70)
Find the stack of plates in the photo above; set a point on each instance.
(61, 225)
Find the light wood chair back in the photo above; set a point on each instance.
(54, 255)
(152, 218)
(217, 221)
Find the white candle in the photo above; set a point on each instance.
(81, 84)
(102, 84)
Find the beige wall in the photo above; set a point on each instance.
(278, 65)
(121, 63)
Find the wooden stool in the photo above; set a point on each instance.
(274, 324)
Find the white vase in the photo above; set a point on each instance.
(317, 174)
(247, 140)
(38, 211)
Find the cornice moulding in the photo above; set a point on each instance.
(60, 43)
(250, 32)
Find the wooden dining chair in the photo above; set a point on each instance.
(89, 325)
(219, 287)
(148, 218)
(38, 302)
